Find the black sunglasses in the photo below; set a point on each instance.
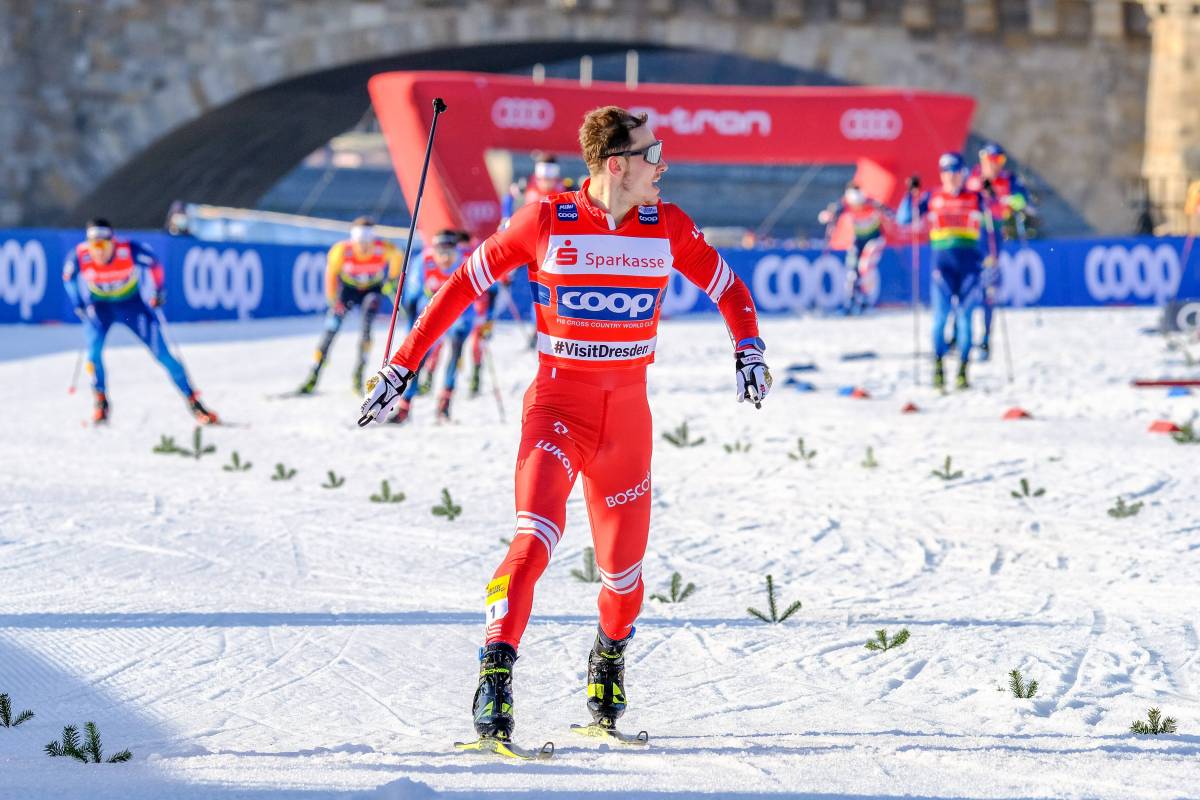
(652, 153)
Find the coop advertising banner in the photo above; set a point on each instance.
(227, 281)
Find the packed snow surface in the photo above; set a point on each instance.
(258, 638)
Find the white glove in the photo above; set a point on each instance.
(384, 391)
(753, 377)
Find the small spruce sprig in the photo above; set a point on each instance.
(1187, 433)
(677, 595)
(87, 752)
(236, 464)
(1155, 724)
(1018, 686)
(680, 437)
(1121, 510)
(6, 717)
(869, 462)
(882, 643)
(775, 617)
(737, 447)
(166, 445)
(283, 473)
(333, 481)
(1025, 491)
(590, 572)
(448, 508)
(385, 494)
(199, 448)
(802, 453)
(947, 472)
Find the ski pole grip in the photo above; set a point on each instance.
(439, 105)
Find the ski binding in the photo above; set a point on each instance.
(490, 744)
(599, 731)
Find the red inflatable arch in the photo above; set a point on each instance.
(888, 133)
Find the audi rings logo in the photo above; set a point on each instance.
(22, 275)
(1113, 273)
(308, 281)
(1022, 278)
(523, 113)
(882, 124)
(227, 279)
(481, 212)
(793, 282)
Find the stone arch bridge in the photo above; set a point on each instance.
(124, 105)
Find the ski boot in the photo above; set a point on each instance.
(475, 379)
(985, 350)
(493, 703)
(443, 409)
(310, 383)
(100, 412)
(960, 380)
(402, 412)
(939, 374)
(202, 414)
(606, 691)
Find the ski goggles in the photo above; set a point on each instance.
(652, 153)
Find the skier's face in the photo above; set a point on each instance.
(952, 181)
(640, 178)
(444, 256)
(101, 249)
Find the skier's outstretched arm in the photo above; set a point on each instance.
(498, 255)
(701, 264)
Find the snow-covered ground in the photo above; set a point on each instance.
(254, 638)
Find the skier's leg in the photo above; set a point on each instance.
(370, 307)
(458, 340)
(333, 323)
(144, 322)
(554, 423)
(617, 490)
(95, 333)
(970, 293)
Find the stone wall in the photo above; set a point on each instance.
(89, 85)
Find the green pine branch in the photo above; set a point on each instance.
(802, 453)
(869, 462)
(1155, 724)
(236, 464)
(385, 495)
(448, 508)
(883, 644)
(6, 717)
(947, 472)
(1025, 492)
(199, 448)
(90, 751)
(680, 437)
(590, 572)
(283, 473)
(1120, 510)
(1187, 433)
(677, 595)
(166, 445)
(1020, 689)
(333, 481)
(775, 617)
(737, 447)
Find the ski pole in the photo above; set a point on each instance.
(168, 341)
(487, 357)
(75, 374)
(438, 108)
(916, 283)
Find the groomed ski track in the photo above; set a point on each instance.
(250, 638)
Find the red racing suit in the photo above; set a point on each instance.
(598, 286)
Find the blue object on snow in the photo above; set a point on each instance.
(799, 385)
(809, 367)
(866, 355)
(845, 391)
(1178, 391)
